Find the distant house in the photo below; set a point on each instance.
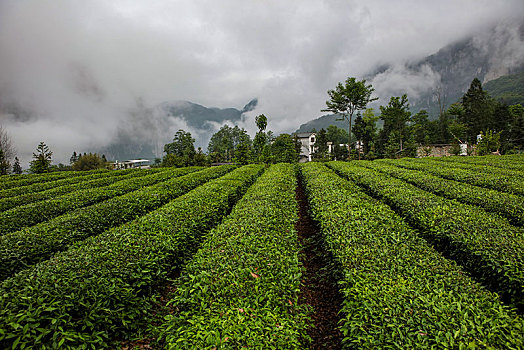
(131, 164)
(307, 145)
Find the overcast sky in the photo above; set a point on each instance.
(78, 66)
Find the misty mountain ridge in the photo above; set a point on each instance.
(488, 56)
(147, 130)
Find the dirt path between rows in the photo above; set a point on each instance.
(318, 285)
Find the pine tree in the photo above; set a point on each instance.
(73, 158)
(41, 160)
(17, 169)
(478, 110)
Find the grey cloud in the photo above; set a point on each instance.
(74, 70)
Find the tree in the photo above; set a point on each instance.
(242, 154)
(284, 150)
(41, 160)
(516, 127)
(183, 144)
(365, 129)
(181, 151)
(347, 99)
(8, 150)
(171, 160)
(200, 158)
(339, 152)
(261, 122)
(420, 126)
(396, 115)
(4, 164)
(320, 152)
(336, 135)
(89, 162)
(17, 169)
(489, 142)
(224, 142)
(396, 131)
(243, 149)
(478, 110)
(261, 140)
(73, 158)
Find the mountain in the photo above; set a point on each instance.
(495, 56)
(147, 130)
(509, 88)
(322, 123)
(486, 55)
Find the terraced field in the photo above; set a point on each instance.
(405, 254)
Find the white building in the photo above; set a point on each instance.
(307, 144)
(129, 164)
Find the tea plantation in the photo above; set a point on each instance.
(426, 253)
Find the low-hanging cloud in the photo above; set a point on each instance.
(401, 79)
(71, 72)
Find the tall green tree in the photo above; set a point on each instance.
(181, 152)
(420, 126)
(89, 162)
(200, 158)
(284, 150)
(261, 122)
(224, 142)
(74, 157)
(516, 127)
(320, 152)
(365, 129)
(183, 144)
(478, 110)
(261, 149)
(396, 116)
(41, 159)
(336, 135)
(489, 142)
(347, 99)
(17, 169)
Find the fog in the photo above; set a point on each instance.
(72, 73)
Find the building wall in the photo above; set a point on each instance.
(438, 151)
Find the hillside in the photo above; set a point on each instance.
(322, 123)
(486, 55)
(509, 88)
(495, 56)
(148, 129)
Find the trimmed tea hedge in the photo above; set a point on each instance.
(481, 168)
(513, 162)
(26, 247)
(484, 243)
(398, 291)
(241, 289)
(104, 287)
(505, 204)
(86, 182)
(34, 213)
(11, 181)
(495, 182)
(43, 186)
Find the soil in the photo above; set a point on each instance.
(319, 287)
